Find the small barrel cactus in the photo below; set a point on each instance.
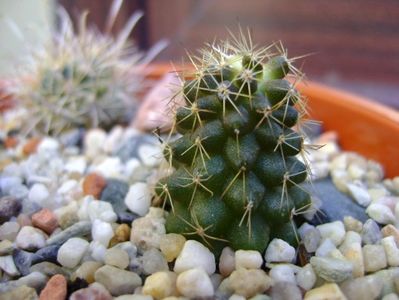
(236, 173)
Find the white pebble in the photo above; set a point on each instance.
(391, 251)
(380, 213)
(102, 232)
(138, 199)
(248, 259)
(359, 194)
(227, 261)
(9, 231)
(30, 238)
(48, 144)
(39, 194)
(279, 251)
(94, 141)
(374, 258)
(335, 231)
(113, 139)
(195, 283)
(325, 248)
(283, 273)
(151, 155)
(72, 251)
(195, 255)
(110, 167)
(76, 164)
(306, 277)
(101, 210)
(7, 265)
(97, 251)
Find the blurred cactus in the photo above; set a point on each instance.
(84, 78)
(236, 175)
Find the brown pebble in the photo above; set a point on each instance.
(30, 146)
(10, 142)
(55, 289)
(45, 220)
(122, 234)
(94, 184)
(390, 230)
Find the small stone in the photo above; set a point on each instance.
(102, 232)
(391, 251)
(391, 296)
(371, 233)
(236, 297)
(249, 282)
(388, 278)
(248, 259)
(94, 141)
(7, 265)
(48, 145)
(76, 165)
(22, 292)
(364, 288)
(325, 248)
(312, 239)
(39, 194)
(171, 245)
(22, 260)
(279, 251)
(147, 232)
(35, 280)
(30, 146)
(95, 291)
(109, 166)
(72, 251)
(67, 215)
(97, 250)
(93, 185)
(144, 297)
(86, 271)
(160, 285)
(390, 230)
(138, 199)
(282, 273)
(9, 207)
(331, 269)
(351, 248)
(55, 289)
(195, 255)
(122, 234)
(101, 210)
(335, 231)
(330, 291)
(352, 224)
(9, 231)
(380, 213)
(30, 238)
(10, 142)
(115, 192)
(306, 277)
(48, 253)
(6, 247)
(45, 220)
(285, 291)
(49, 269)
(227, 261)
(117, 258)
(154, 261)
(195, 283)
(359, 194)
(374, 258)
(117, 281)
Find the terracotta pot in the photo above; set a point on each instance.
(363, 126)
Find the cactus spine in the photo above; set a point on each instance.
(236, 174)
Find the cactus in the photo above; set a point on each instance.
(236, 175)
(81, 79)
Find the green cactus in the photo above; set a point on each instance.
(236, 175)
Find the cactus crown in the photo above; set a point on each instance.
(236, 175)
(83, 78)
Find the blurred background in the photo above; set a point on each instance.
(354, 43)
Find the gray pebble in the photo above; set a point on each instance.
(285, 291)
(9, 207)
(22, 260)
(371, 233)
(114, 193)
(365, 288)
(78, 229)
(49, 269)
